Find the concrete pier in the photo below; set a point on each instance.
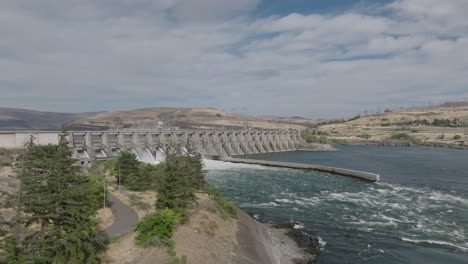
(367, 176)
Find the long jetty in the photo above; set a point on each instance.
(344, 172)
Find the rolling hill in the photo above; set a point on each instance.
(23, 119)
(188, 118)
(445, 124)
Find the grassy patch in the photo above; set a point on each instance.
(226, 208)
(4, 164)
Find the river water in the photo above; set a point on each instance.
(418, 213)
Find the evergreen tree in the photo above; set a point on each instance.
(57, 206)
(182, 174)
(127, 165)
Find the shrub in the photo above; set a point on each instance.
(176, 260)
(406, 137)
(366, 136)
(456, 137)
(226, 208)
(157, 228)
(441, 136)
(3, 164)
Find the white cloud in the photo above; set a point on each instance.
(95, 55)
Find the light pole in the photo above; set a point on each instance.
(104, 184)
(118, 181)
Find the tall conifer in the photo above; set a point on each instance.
(57, 207)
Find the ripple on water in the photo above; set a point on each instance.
(418, 216)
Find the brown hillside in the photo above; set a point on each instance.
(383, 126)
(188, 118)
(23, 119)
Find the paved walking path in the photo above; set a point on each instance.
(124, 218)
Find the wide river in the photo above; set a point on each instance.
(418, 213)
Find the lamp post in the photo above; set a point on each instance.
(104, 184)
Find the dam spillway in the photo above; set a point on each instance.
(152, 145)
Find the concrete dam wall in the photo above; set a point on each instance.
(151, 146)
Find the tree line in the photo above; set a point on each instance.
(57, 203)
(55, 209)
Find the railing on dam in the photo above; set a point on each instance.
(151, 145)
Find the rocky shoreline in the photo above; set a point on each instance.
(389, 143)
(273, 243)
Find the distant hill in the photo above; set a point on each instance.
(23, 119)
(444, 124)
(454, 104)
(189, 118)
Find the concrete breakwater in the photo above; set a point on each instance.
(373, 177)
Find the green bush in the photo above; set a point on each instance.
(3, 164)
(311, 138)
(176, 260)
(456, 137)
(226, 208)
(157, 228)
(366, 136)
(406, 137)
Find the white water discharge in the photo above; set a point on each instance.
(217, 165)
(136, 154)
(160, 155)
(83, 154)
(100, 154)
(184, 150)
(147, 157)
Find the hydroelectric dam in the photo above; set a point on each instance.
(151, 145)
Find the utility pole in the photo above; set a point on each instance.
(119, 179)
(104, 186)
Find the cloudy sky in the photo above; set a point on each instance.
(312, 58)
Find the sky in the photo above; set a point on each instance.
(310, 58)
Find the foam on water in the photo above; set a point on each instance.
(464, 248)
(217, 165)
(412, 214)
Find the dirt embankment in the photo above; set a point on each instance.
(208, 238)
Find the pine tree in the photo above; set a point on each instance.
(127, 165)
(182, 174)
(57, 205)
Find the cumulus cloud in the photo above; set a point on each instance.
(89, 55)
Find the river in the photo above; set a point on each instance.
(418, 213)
